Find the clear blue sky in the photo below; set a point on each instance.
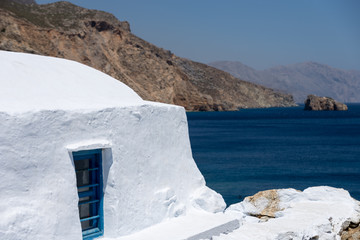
(258, 33)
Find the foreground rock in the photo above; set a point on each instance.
(322, 213)
(316, 103)
(101, 41)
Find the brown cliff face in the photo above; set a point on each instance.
(99, 40)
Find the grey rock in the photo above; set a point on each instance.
(350, 231)
(315, 103)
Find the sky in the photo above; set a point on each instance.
(258, 33)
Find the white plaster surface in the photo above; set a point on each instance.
(194, 226)
(316, 213)
(31, 82)
(149, 172)
(88, 145)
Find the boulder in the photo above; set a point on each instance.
(351, 231)
(317, 213)
(316, 103)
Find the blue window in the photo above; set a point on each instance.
(88, 167)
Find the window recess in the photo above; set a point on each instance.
(88, 168)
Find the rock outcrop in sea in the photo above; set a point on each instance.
(316, 103)
(100, 40)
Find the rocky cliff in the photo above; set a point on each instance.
(101, 41)
(316, 103)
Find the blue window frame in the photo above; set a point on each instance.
(88, 168)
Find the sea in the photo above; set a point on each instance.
(241, 153)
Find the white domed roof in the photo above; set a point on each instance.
(31, 82)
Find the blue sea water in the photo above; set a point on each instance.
(242, 153)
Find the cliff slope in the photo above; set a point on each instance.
(301, 79)
(99, 40)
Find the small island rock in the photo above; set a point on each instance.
(316, 103)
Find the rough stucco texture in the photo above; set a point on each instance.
(149, 172)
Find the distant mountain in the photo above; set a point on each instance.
(100, 40)
(301, 79)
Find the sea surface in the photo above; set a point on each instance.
(242, 153)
